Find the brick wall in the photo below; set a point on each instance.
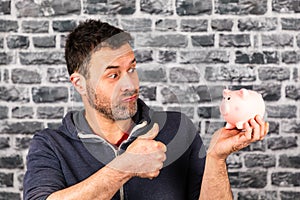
(187, 50)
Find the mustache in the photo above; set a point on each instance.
(130, 93)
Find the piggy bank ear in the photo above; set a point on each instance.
(226, 92)
(243, 93)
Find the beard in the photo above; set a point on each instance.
(112, 110)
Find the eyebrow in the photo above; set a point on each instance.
(116, 66)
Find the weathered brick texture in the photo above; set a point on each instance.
(187, 52)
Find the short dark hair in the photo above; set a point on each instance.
(88, 37)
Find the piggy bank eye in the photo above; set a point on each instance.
(228, 98)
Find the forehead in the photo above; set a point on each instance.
(107, 56)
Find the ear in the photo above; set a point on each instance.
(226, 92)
(243, 92)
(79, 82)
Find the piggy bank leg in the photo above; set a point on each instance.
(240, 125)
(229, 126)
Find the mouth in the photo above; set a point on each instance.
(131, 98)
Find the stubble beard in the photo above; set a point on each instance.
(113, 111)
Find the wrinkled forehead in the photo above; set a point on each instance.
(106, 56)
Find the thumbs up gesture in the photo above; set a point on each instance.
(144, 157)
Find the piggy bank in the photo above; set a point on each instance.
(238, 106)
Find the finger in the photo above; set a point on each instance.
(261, 123)
(161, 146)
(151, 134)
(248, 131)
(256, 130)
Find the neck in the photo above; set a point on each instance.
(111, 130)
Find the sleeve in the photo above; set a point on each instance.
(196, 165)
(44, 175)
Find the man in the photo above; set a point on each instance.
(118, 148)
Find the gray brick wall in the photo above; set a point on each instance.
(187, 50)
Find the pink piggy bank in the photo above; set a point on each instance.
(238, 106)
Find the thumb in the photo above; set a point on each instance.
(151, 134)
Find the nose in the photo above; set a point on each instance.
(127, 83)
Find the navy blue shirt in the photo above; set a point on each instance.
(60, 158)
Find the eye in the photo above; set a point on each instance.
(113, 76)
(228, 98)
(131, 70)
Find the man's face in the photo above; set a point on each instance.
(113, 86)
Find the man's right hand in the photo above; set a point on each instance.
(144, 157)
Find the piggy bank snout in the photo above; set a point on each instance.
(224, 108)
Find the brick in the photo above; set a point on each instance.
(5, 7)
(193, 7)
(110, 7)
(273, 73)
(234, 161)
(292, 92)
(29, 8)
(161, 7)
(14, 94)
(285, 179)
(193, 25)
(212, 126)
(277, 40)
(57, 75)
(166, 40)
(258, 146)
(143, 56)
(254, 7)
(53, 125)
(177, 94)
(44, 42)
(17, 42)
(289, 161)
(298, 40)
(260, 160)
(261, 24)
(245, 74)
(1, 42)
(24, 76)
(10, 196)
(11, 162)
(204, 56)
(64, 25)
(136, 25)
(5, 58)
(209, 93)
(234, 40)
(290, 24)
(6, 179)
(250, 195)
(188, 111)
(152, 74)
(265, 57)
(203, 40)
(63, 39)
(40, 58)
(22, 112)
(167, 56)
(22, 143)
(208, 112)
(282, 111)
(222, 24)
(290, 126)
(288, 6)
(166, 25)
(4, 143)
(290, 57)
(3, 112)
(289, 195)
(269, 91)
(74, 95)
(20, 127)
(184, 75)
(273, 128)
(49, 94)
(48, 112)
(280, 143)
(31, 26)
(148, 93)
(8, 26)
(248, 179)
